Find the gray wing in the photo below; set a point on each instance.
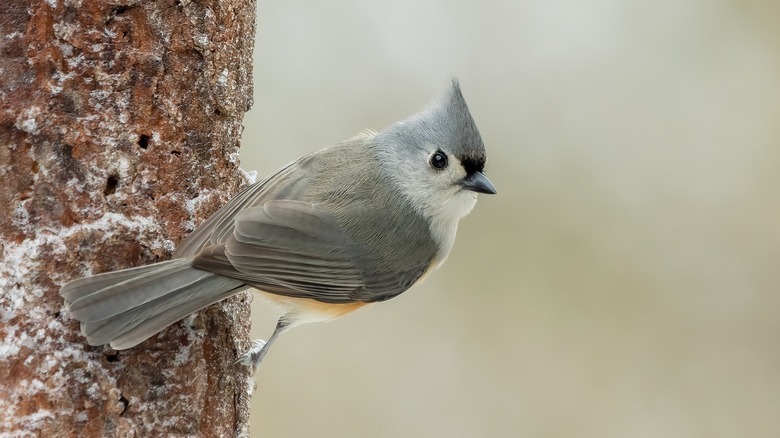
(218, 227)
(297, 249)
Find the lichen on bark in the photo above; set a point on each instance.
(120, 124)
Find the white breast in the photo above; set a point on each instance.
(444, 223)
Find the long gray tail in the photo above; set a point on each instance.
(124, 308)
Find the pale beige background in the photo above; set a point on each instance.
(624, 281)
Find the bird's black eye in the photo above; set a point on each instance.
(439, 160)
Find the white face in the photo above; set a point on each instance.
(440, 193)
(433, 181)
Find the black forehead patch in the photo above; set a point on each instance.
(473, 164)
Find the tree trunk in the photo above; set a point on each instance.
(120, 123)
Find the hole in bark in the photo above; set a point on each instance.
(125, 403)
(177, 153)
(111, 184)
(143, 141)
(217, 112)
(112, 356)
(119, 10)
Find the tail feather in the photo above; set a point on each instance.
(124, 308)
(75, 290)
(103, 295)
(151, 326)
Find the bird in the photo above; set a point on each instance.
(356, 223)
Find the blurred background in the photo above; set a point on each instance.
(624, 281)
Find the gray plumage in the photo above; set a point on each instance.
(359, 222)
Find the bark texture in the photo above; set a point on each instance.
(120, 124)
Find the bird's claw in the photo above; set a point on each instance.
(249, 177)
(252, 357)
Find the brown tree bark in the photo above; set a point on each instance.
(120, 123)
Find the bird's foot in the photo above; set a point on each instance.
(249, 177)
(253, 356)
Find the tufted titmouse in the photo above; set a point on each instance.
(352, 224)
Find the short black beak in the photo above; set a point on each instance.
(478, 182)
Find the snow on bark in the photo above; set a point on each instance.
(120, 124)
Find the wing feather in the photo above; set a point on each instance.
(292, 248)
(300, 249)
(219, 226)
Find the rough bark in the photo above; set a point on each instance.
(120, 124)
